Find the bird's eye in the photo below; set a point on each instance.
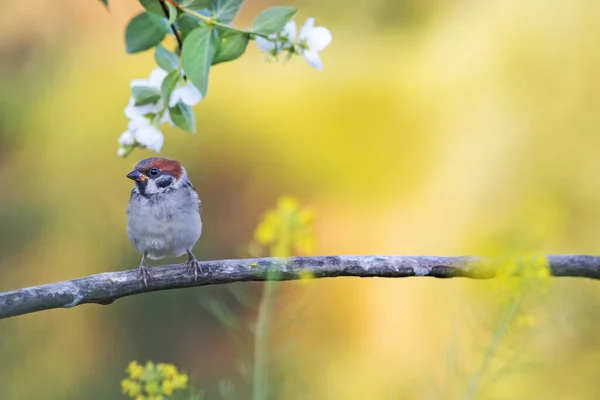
(154, 171)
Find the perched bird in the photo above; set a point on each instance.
(163, 213)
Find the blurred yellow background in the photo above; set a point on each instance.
(435, 127)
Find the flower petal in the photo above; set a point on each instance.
(136, 123)
(166, 118)
(126, 139)
(133, 112)
(150, 137)
(175, 97)
(313, 59)
(289, 31)
(139, 82)
(319, 38)
(306, 29)
(189, 95)
(288, 35)
(130, 112)
(156, 77)
(264, 44)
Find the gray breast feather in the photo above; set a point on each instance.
(164, 224)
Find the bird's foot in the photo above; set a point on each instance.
(194, 265)
(144, 274)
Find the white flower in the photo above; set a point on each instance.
(167, 118)
(134, 112)
(289, 33)
(142, 130)
(187, 94)
(157, 76)
(274, 45)
(266, 45)
(312, 41)
(126, 139)
(150, 137)
(136, 123)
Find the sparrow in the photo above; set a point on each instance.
(163, 214)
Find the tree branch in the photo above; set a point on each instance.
(109, 286)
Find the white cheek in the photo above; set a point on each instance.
(151, 187)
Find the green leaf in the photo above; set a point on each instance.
(165, 59)
(196, 5)
(154, 7)
(183, 117)
(172, 14)
(225, 10)
(169, 84)
(231, 45)
(144, 95)
(197, 55)
(143, 32)
(105, 2)
(186, 24)
(273, 20)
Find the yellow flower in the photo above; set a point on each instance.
(135, 370)
(167, 370)
(306, 276)
(305, 244)
(149, 366)
(179, 381)
(140, 397)
(287, 203)
(518, 275)
(286, 228)
(156, 397)
(131, 388)
(167, 387)
(305, 217)
(152, 387)
(265, 232)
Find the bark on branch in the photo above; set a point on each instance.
(107, 287)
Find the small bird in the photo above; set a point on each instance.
(163, 213)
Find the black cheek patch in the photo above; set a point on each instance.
(163, 182)
(142, 187)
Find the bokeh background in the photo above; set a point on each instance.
(436, 127)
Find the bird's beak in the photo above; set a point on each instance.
(135, 175)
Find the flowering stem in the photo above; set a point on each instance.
(476, 379)
(212, 21)
(129, 149)
(260, 387)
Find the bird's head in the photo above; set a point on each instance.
(157, 175)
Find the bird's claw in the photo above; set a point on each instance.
(194, 265)
(144, 275)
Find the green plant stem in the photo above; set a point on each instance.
(129, 150)
(490, 352)
(212, 21)
(260, 387)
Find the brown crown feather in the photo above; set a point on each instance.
(165, 165)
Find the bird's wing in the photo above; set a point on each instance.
(199, 201)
